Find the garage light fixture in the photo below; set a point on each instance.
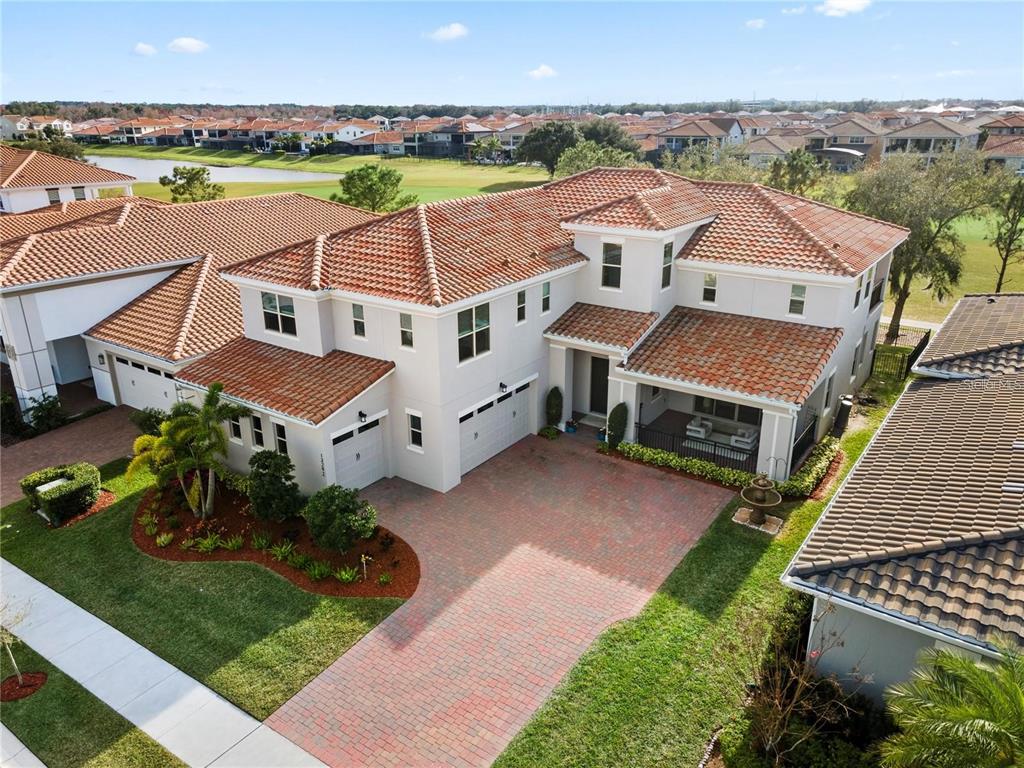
(503, 387)
(362, 417)
(101, 359)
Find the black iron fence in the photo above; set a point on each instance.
(896, 362)
(803, 444)
(697, 448)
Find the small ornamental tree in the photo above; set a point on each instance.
(374, 187)
(553, 406)
(191, 185)
(273, 492)
(617, 425)
(337, 517)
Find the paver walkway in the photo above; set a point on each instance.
(188, 719)
(523, 565)
(96, 439)
(14, 754)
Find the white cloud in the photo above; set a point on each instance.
(187, 45)
(144, 49)
(755, 23)
(449, 32)
(955, 43)
(795, 11)
(955, 73)
(542, 72)
(842, 7)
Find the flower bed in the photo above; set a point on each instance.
(161, 525)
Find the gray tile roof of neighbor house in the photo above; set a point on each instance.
(982, 336)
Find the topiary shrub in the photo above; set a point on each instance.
(273, 492)
(553, 406)
(336, 517)
(148, 420)
(64, 501)
(617, 425)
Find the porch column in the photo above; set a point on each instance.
(560, 360)
(776, 445)
(27, 353)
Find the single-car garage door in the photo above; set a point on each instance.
(143, 386)
(359, 456)
(493, 427)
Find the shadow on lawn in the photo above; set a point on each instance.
(507, 186)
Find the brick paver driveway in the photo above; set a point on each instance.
(523, 565)
(96, 439)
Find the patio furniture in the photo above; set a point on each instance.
(745, 438)
(699, 427)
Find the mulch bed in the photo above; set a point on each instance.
(105, 499)
(232, 516)
(822, 489)
(11, 691)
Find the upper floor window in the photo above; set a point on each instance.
(79, 193)
(520, 306)
(280, 439)
(358, 320)
(856, 293)
(257, 431)
(474, 326)
(278, 313)
(611, 266)
(710, 294)
(545, 298)
(405, 328)
(235, 429)
(666, 266)
(856, 139)
(53, 195)
(797, 298)
(870, 281)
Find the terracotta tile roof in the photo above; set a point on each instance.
(936, 127)
(982, 336)
(676, 204)
(1010, 121)
(930, 521)
(855, 127)
(1005, 146)
(607, 326)
(195, 310)
(746, 355)
(296, 384)
(772, 145)
(380, 137)
(77, 213)
(23, 168)
(698, 128)
(150, 236)
(763, 227)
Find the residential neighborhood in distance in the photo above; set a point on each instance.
(606, 402)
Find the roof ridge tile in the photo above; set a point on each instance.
(20, 167)
(428, 256)
(17, 257)
(318, 262)
(817, 241)
(193, 305)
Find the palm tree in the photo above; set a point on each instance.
(957, 712)
(192, 439)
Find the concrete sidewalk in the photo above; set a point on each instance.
(185, 717)
(14, 754)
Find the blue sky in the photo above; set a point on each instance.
(497, 53)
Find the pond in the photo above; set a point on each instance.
(152, 170)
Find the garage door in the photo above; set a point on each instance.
(359, 456)
(493, 427)
(143, 386)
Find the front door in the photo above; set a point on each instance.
(598, 384)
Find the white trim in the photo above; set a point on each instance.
(675, 384)
(511, 388)
(586, 346)
(357, 424)
(774, 274)
(175, 364)
(633, 234)
(408, 430)
(94, 276)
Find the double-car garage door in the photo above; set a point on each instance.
(494, 426)
(359, 455)
(143, 386)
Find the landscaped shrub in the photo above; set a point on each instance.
(163, 539)
(691, 466)
(347, 574)
(318, 570)
(549, 432)
(337, 517)
(235, 481)
(10, 416)
(260, 540)
(233, 543)
(148, 420)
(67, 500)
(806, 479)
(282, 550)
(617, 425)
(553, 406)
(272, 488)
(209, 543)
(46, 413)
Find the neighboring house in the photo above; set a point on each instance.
(33, 179)
(762, 151)
(133, 131)
(40, 123)
(12, 126)
(129, 294)
(379, 143)
(852, 141)
(923, 545)
(728, 317)
(1004, 126)
(693, 133)
(1006, 151)
(929, 137)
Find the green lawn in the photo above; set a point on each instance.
(652, 690)
(979, 275)
(239, 628)
(429, 179)
(65, 725)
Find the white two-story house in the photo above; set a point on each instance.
(30, 179)
(729, 318)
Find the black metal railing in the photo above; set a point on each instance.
(698, 448)
(896, 362)
(803, 444)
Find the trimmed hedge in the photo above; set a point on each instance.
(799, 485)
(617, 424)
(67, 500)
